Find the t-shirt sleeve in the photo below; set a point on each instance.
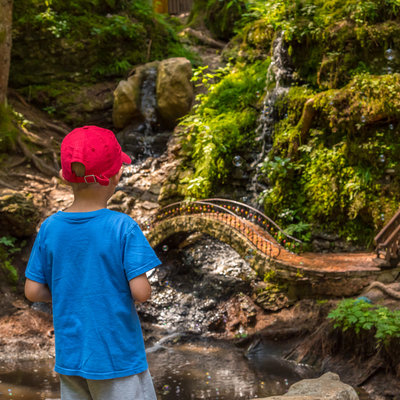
(35, 268)
(139, 257)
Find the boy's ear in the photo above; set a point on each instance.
(62, 178)
(115, 178)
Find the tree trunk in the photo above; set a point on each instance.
(5, 46)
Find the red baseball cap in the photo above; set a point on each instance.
(97, 149)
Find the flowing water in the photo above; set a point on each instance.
(192, 368)
(278, 80)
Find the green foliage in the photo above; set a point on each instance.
(334, 177)
(359, 316)
(303, 17)
(270, 276)
(94, 39)
(8, 247)
(329, 41)
(222, 18)
(222, 124)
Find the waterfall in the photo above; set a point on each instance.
(279, 73)
(143, 138)
(148, 107)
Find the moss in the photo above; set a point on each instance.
(221, 127)
(343, 173)
(8, 130)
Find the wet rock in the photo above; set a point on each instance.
(174, 93)
(321, 245)
(18, 214)
(148, 196)
(127, 97)
(148, 205)
(271, 297)
(118, 197)
(167, 192)
(155, 188)
(193, 284)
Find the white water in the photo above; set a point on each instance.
(280, 75)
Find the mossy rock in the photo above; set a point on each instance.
(18, 214)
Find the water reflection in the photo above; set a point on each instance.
(207, 369)
(29, 380)
(198, 368)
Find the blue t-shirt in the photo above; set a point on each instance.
(87, 260)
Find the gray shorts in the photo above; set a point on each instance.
(134, 387)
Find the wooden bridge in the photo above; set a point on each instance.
(173, 7)
(267, 248)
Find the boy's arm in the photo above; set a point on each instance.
(140, 288)
(35, 291)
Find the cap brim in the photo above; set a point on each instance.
(125, 158)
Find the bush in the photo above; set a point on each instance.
(87, 40)
(8, 248)
(359, 315)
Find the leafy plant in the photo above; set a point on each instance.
(9, 247)
(358, 315)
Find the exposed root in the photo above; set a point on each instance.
(7, 185)
(379, 285)
(203, 38)
(37, 162)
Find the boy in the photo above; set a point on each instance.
(91, 263)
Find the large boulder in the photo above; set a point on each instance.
(18, 214)
(127, 97)
(326, 387)
(174, 89)
(173, 93)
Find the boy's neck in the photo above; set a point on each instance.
(85, 201)
(84, 207)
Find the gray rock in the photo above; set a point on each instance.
(174, 89)
(326, 387)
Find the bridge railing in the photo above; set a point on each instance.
(269, 247)
(388, 240)
(267, 224)
(260, 230)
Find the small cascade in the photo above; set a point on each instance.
(280, 74)
(144, 138)
(148, 107)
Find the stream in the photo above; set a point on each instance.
(188, 357)
(197, 369)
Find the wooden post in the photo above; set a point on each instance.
(160, 6)
(5, 46)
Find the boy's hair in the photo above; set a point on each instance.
(96, 150)
(79, 170)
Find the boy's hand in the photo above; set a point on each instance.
(140, 288)
(35, 291)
